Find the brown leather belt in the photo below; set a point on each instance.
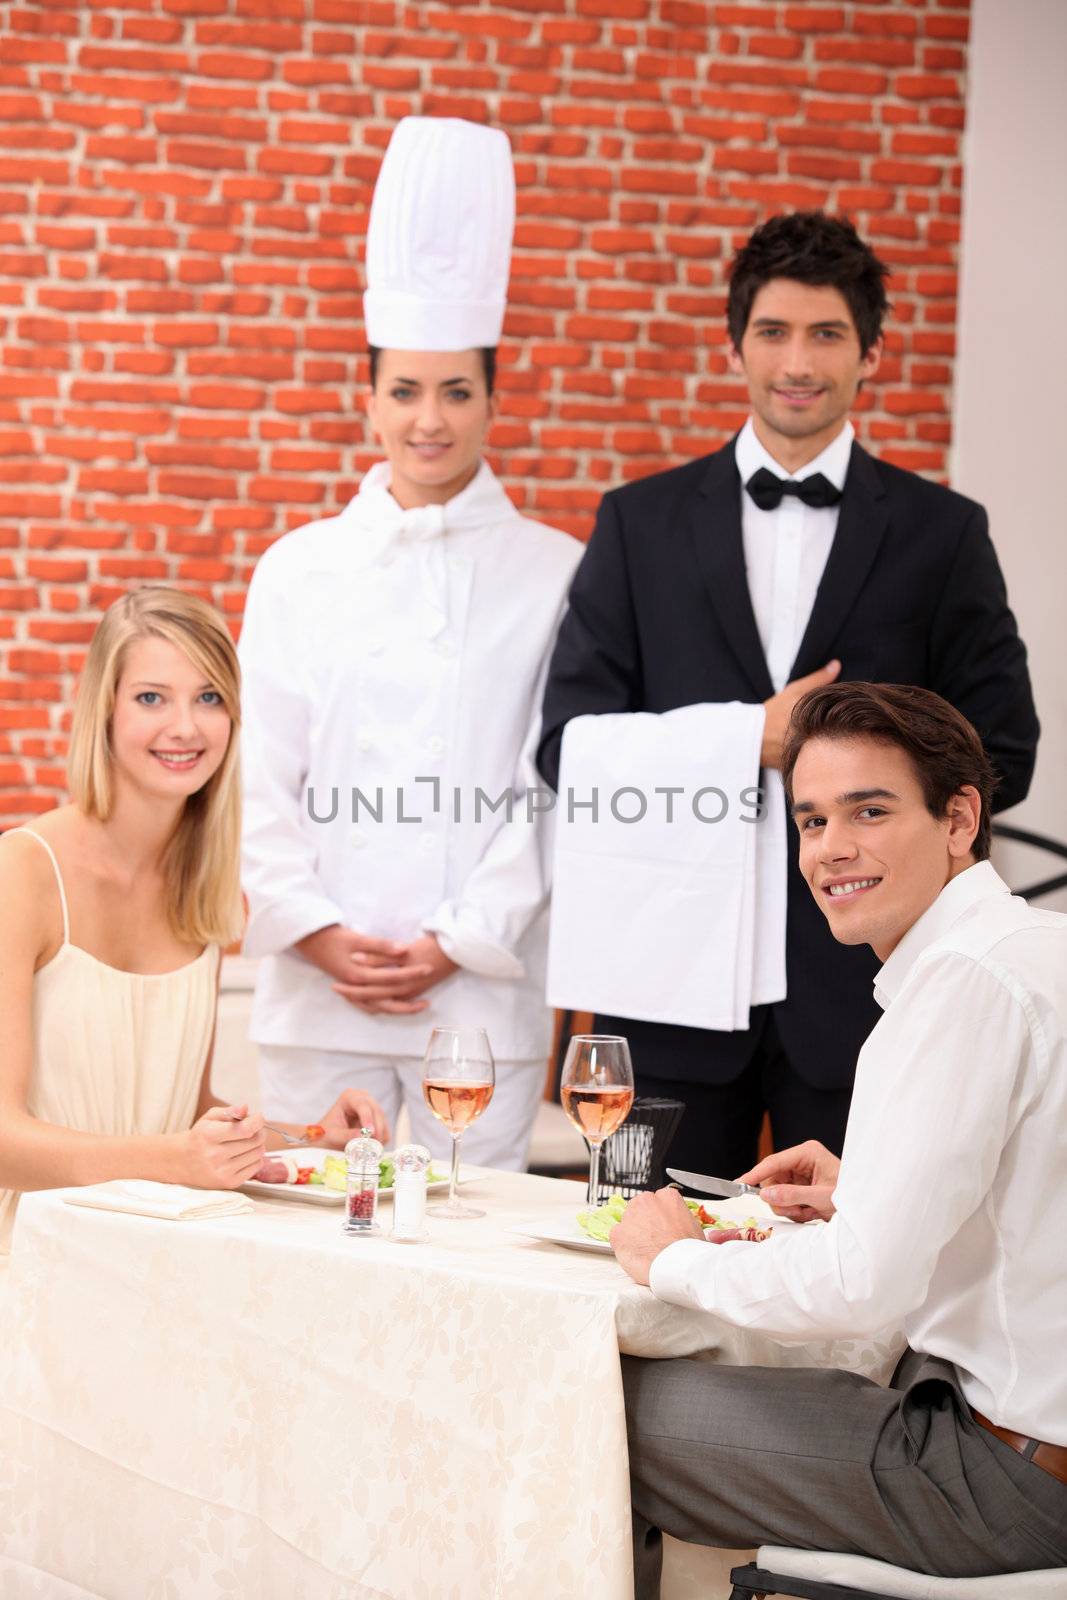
(1051, 1458)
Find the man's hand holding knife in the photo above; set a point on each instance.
(796, 1183)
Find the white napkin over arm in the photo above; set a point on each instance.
(679, 921)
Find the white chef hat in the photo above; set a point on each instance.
(439, 240)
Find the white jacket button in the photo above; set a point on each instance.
(435, 745)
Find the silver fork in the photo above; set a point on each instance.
(291, 1138)
(294, 1138)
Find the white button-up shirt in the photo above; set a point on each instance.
(952, 1197)
(393, 663)
(786, 549)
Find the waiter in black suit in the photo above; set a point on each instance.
(781, 562)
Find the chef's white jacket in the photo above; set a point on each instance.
(393, 664)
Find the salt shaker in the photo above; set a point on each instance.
(362, 1157)
(409, 1192)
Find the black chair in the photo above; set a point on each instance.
(1039, 841)
(753, 1582)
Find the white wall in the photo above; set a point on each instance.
(1011, 382)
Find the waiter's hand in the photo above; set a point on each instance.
(650, 1224)
(799, 1182)
(779, 709)
(375, 975)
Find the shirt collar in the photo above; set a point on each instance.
(482, 503)
(831, 462)
(974, 884)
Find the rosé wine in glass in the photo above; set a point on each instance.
(596, 1113)
(597, 1091)
(456, 1104)
(458, 1078)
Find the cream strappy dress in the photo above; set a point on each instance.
(115, 1052)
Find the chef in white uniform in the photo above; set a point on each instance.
(395, 851)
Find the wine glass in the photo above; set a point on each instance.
(457, 1084)
(597, 1090)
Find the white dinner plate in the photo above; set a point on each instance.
(568, 1233)
(317, 1194)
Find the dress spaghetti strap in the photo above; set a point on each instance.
(59, 876)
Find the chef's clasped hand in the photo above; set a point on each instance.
(378, 975)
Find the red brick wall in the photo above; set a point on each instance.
(184, 187)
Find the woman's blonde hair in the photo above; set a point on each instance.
(202, 860)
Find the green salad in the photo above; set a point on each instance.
(599, 1223)
(332, 1173)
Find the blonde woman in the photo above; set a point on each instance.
(115, 910)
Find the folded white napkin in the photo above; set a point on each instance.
(171, 1202)
(680, 921)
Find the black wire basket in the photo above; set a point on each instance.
(632, 1159)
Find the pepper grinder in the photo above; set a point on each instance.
(363, 1155)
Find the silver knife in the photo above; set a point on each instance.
(706, 1185)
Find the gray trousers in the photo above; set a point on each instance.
(820, 1459)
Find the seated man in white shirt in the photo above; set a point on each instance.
(945, 1215)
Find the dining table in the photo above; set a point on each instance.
(263, 1405)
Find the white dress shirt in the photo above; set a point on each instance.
(952, 1197)
(786, 549)
(401, 653)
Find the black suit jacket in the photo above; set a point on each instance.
(660, 617)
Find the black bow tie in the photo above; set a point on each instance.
(767, 490)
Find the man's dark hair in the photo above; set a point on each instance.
(810, 247)
(487, 353)
(945, 750)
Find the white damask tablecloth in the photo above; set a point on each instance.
(263, 1407)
